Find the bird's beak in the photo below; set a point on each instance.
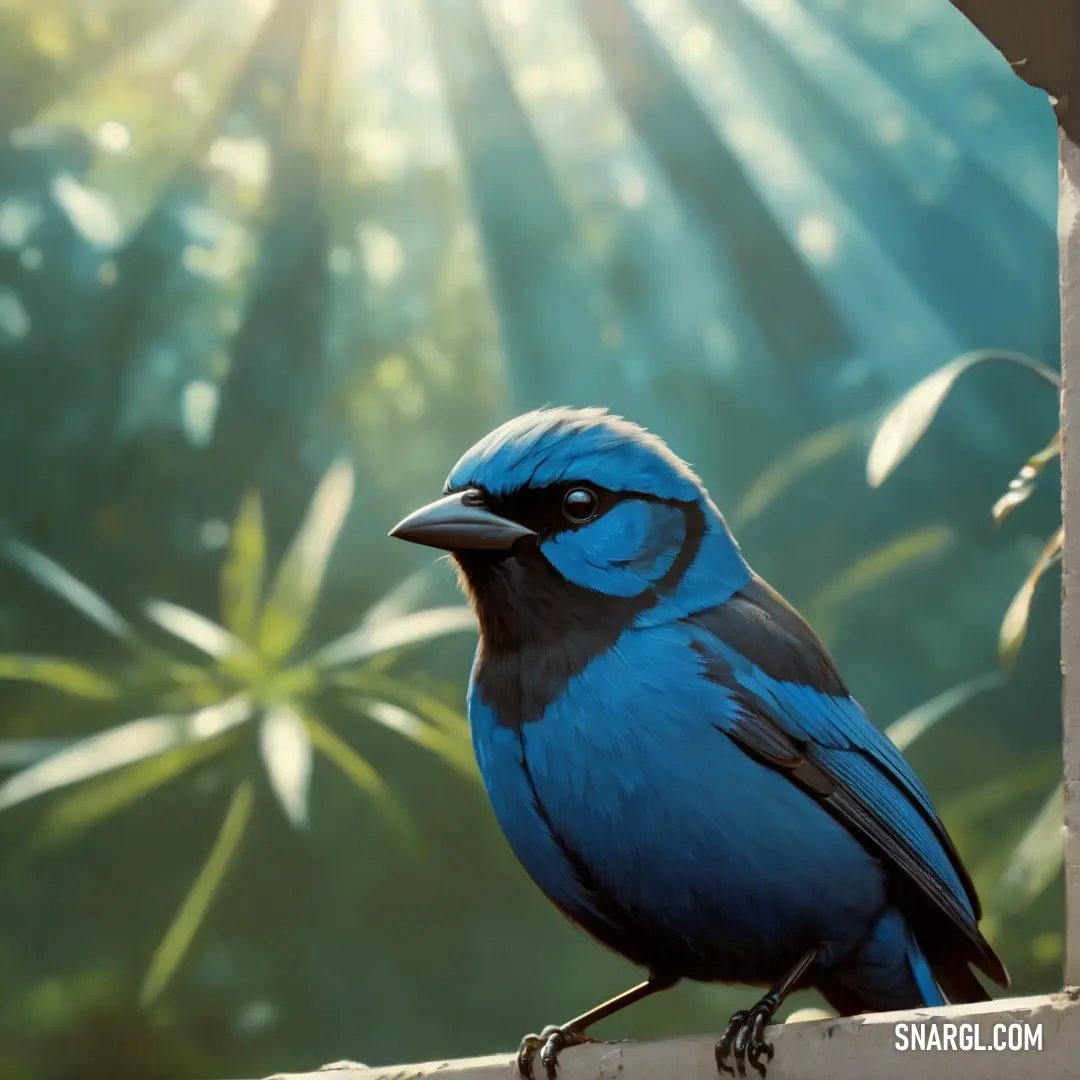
(460, 522)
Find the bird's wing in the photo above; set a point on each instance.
(792, 711)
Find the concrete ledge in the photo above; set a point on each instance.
(859, 1048)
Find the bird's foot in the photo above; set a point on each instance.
(548, 1043)
(743, 1041)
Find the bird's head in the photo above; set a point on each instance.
(564, 516)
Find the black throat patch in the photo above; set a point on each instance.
(538, 630)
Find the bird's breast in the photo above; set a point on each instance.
(623, 796)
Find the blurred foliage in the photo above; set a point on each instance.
(253, 675)
(242, 244)
(82, 1027)
(1037, 859)
(906, 422)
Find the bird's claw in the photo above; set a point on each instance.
(743, 1041)
(549, 1043)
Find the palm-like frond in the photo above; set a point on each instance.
(248, 673)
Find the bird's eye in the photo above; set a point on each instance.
(579, 505)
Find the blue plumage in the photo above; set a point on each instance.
(549, 446)
(670, 750)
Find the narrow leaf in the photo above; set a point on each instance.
(1021, 488)
(909, 418)
(362, 774)
(195, 629)
(59, 674)
(295, 591)
(1037, 858)
(57, 580)
(922, 718)
(242, 574)
(1017, 495)
(456, 752)
(375, 684)
(219, 717)
(108, 750)
(400, 600)
(18, 753)
(806, 456)
(71, 814)
(880, 565)
(189, 918)
(1014, 625)
(360, 771)
(285, 747)
(1001, 794)
(369, 640)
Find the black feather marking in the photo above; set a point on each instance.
(538, 630)
(955, 979)
(762, 616)
(766, 630)
(762, 626)
(764, 739)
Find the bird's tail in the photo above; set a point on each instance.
(956, 979)
(889, 971)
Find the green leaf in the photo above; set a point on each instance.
(1048, 948)
(880, 565)
(1037, 858)
(19, 753)
(369, 639)
(1001, 793)
(242, 574)
(909, 418)
(1014, 625)
(195, 629)
(122, 745)
(219, 716)
(79, 595)
(375, 683)
(285, 747)
(71, 814)
(364, 775)
(295, 591)
(400, 600)
(170, 953)
(802, 459)
(455, 751)
(922, 718)
(1023, 485)
(59, 674)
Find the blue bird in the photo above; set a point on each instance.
(671, 752)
